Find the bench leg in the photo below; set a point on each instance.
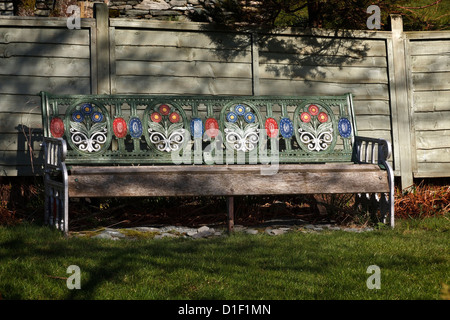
(382, 202)
(56, 184)
(230, 213)
(378, 205)
(56, 205)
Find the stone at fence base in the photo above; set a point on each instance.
(178, 3)
(110, 234)
(203, 229)
(204, 232)
(122, 7)
(164, 13)
(152, 5)
(178, 10)
(165, 235)
(275, 232)
(135, 13)
(275, 227)
(186, 8)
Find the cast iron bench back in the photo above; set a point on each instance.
(133, 129)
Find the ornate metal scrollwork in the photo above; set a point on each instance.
(317, 138)
(315, 128)
(166, 129)
(241, 128)
(90, 140)
(245, 139)
(88, 128)
(167, 139)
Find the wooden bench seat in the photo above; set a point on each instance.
(225, 180)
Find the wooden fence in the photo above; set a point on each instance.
(400, 80)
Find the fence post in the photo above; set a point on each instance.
(402, 104)
(101, 14)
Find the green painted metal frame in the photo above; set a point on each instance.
(191, 149)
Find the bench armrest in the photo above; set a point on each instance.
(371, 150)
(55, 151)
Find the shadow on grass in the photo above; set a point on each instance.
(218, 268)
(328, 265)
(43, 255)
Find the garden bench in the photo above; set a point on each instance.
(149, 145)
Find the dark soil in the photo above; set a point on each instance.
(190, 212)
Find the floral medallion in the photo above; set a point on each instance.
(286, 128)
(345, 128)
(212, 127)
(135, 126)
(197, 128)
(271, 128)
(57, 127)
(315, 129)
(120, 127)
(88, 129)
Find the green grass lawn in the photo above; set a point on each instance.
(413, 258)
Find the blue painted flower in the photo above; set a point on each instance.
(77, 116)
(97, 117)
(345, 128)
(286, 128)
(232, 117)
(249, 117)
(240, 109)
(87, 108)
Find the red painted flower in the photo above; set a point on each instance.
(271, 128)
(305, 116)
(313, 110)
(57, 127)
(323, 117)
(156, 117)
(164, 109)
(212, 127)
(174, 117)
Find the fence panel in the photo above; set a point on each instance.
(36, 55)
(430, 87)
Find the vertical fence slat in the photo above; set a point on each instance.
(102, 21)
(255, 64)
(112, 59)
(400, 84)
